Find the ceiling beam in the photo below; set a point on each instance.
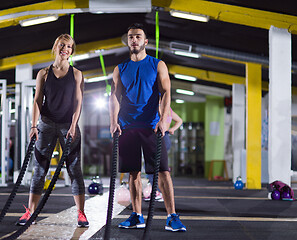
(47, 56)
(206, 75)
(199, 73)
(12, 16)
(217, 77)
(232, 14)
(218, 11)
(98, 72)
(200, 90)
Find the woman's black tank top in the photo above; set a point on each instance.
(59, 95)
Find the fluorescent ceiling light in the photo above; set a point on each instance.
(38, 20)
(98, 79)
(179, 101)
(190, 16)
(185, 77)
(186, 92)
(80, 57)
(98, 12)
(187, 54)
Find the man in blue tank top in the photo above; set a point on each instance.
(138, 85)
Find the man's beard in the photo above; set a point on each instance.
(136, 51)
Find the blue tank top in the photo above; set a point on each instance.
(140, 93)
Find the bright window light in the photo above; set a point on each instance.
(185, 77)
(190, 16)
(179, 101)
(185, 92)
(101, 103)
(38, 20)
(187, 54)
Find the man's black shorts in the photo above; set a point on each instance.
(131, 142)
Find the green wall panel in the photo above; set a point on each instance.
(214, 133)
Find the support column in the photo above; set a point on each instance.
(280, 97)
(214, 132)
(253, 125)
(238, 127)
(22, 73)
(4, 135)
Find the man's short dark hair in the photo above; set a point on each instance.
(138, 26)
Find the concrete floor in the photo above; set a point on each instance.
(209, 210)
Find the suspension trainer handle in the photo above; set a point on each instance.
(20, 177)
(46, 195)
(115, 151)
(154, 187)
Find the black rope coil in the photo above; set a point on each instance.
(112, 184)
(46, 195)
(20, 178)
(154, 187)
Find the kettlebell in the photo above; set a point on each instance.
(275, 195)
(96, 187)
(286, 195)
(238, 185)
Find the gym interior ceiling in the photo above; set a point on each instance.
(237, 32)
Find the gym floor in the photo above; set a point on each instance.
(209, 210)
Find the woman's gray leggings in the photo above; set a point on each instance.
(49, 132)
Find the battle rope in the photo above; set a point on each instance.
(154, 187)
(20, 178)
(46, 195)
(112, 184)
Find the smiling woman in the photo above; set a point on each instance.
(58, 100)
(63, 40)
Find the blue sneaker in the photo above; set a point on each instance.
(134, 221)
(174, 224)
